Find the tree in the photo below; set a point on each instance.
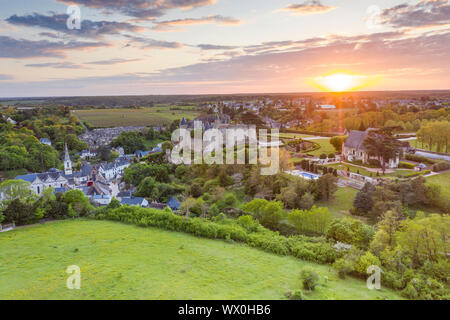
(272, 214)
(187, 205)
(17, 189)
(196, 190)
(363, 202)
(310, 279)
(382, 145)
(114, 204)
(327, 186)
(130, 141)
(19, 212)
(76, 200)
(315, 220)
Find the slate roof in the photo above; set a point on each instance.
(45, 140)
(173, 203)
(132, 201)
(42, 176)
(355, 139)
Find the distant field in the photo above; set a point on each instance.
(419, 145)
(121, 261)
(157, 116)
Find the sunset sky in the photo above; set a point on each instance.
(221, 46)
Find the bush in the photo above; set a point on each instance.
(406, 165)
(416, 158)
(374, 163)
(441, 166)
(296, 295)
(331, 156)
(310, 279)
(323, 156)
(416, 174)
(343, 267)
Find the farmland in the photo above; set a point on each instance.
(156, 116)
(120, 261)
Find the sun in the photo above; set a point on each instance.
(342, 82)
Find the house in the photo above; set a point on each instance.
(87, 154)
(45, 141)
(141, 154)
(173, 204)
(124, 194)
(102, 200)
(354, 150)
(41, 181)
(134, 201)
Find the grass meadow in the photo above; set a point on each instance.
(156, 116)
(121, 261)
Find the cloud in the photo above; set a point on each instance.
(141, 9)
(173, 25)
(4, 77)
(423, 13)
(58, 22)
(112, 61)
(149, 43)
(215, 47)
(56, 65)
(13, 48)
(308, 7)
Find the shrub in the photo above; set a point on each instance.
(297, 295)
(343, 267)
(331, 156)
(310, 279)
(323, 156)
(374, 163)
(441, 166)
(416, 158)
(416, 174)
(406, 165)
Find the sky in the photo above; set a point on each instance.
(220, 46)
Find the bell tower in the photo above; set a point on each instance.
(67, 163)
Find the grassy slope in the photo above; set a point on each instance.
(133, 117)
(342, 202)
(126, 262)
(442, 180)
(325, 147)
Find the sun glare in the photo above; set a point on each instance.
(342, 82)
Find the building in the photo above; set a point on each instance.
(67, 163)
(354, 150)
(87, 154)
(135, 201)
(326, 106)
(41, 181)
(45, 141)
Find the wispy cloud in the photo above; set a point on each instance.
(21, 48)
(149, 43)
(112, 61)
(58, 22)
(308, 7)
(141, 9)
(174, 25)
(56, 65)
(4, 77)
(423, 13)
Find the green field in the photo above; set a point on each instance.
(442, 180)
(367, 173)
(121, 261)
(342, 202)
(156, 116)
(325, 147)
(416, 144)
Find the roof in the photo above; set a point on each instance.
(183, 122)
(137, 201)
(42, 176)
(355, 139)
(44, 140)
(173, 203)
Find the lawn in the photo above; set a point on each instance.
(325, 147)
(442, 180)
(156, 116)
(121, 261)
(416, 144)
(342, 202)
(367, 173)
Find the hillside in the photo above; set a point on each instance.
(120, 261)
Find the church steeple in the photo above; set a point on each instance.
(67, 162)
